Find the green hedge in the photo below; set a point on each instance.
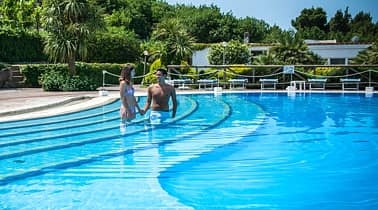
(20, 47)
(90, 71)
(114, 48)
(55, 81)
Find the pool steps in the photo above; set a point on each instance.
(111, 125)
(4, 134)
(150, 166)
(88, 141)
(80, 161)
(105, 123)
(51, 120)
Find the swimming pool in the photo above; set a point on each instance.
(247, 150)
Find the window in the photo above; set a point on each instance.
(337, 61)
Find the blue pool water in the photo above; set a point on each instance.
(232, 151)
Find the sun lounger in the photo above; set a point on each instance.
(317, 84)
(206, 82)
(268, 84)
(180, 83)
(350, 84)
(235, 82)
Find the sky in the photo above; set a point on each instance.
(281, 12)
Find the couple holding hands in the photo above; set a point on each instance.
(158, 94)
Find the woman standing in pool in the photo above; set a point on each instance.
(128, 100)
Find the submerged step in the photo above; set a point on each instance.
(77, 148)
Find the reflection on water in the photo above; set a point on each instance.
(240, 151)
(311, 152)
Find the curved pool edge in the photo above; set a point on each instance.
(46, 110)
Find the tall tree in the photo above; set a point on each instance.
(314, 17)
(134, 15)
(112, 5)
(255, 29)
(160, 10)
(340, 22)
(339, 25)
(311, 23)
(178, 44)
(273, 34)
(227, 30)
(202, 22)
(141, 17)
(362, 26)
(69, 24)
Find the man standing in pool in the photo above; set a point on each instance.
(159, 94)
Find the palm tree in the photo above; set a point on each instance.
(367, 56)
(265, 59)
(293, 50)
(69, 24)
(178, 44)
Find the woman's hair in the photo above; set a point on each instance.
(163, 71)
(126, 75)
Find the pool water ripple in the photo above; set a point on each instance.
(266, 151)
(71, 149)
(296, 161)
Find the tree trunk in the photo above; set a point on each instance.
(71, 65)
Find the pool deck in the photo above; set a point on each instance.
(27, 103)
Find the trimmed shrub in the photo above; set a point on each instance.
(53, 80)
(74, 83)
(36, 75)
(32, 72)
(62, 81)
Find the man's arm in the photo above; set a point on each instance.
(149, 99)
(174, 102)
(141, 112)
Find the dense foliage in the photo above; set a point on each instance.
(61, 81)
(292, 50)
(20, 46)
(177, 44)
(114, 46)
(368, 56)
(206, 23)
(37, 74)
(233, 52)
(312, 24)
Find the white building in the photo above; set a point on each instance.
(336, 53)
(333, 52)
